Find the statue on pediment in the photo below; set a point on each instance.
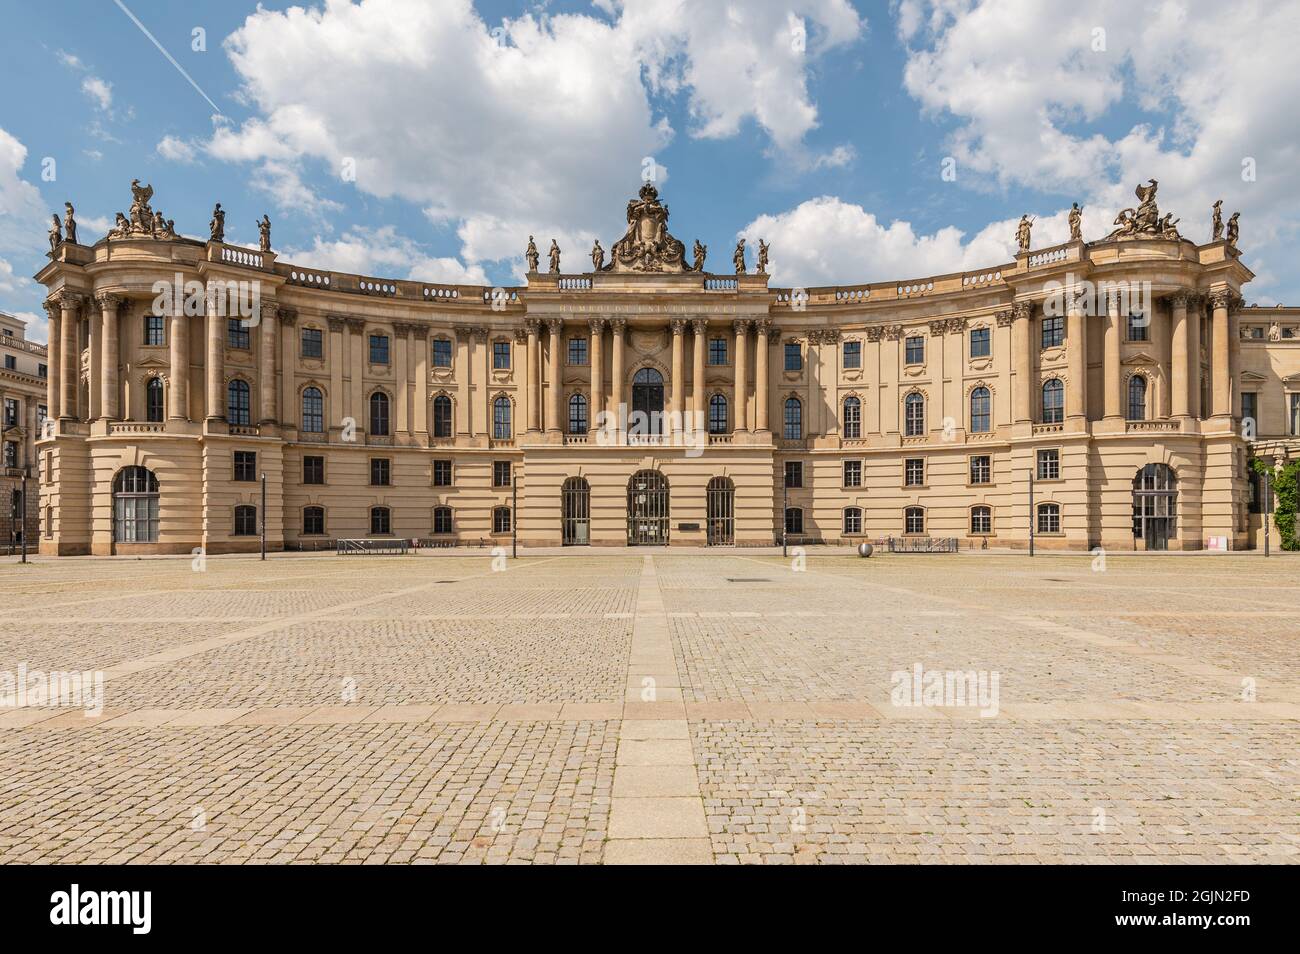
(121, 227)
(761, 267)
(56, 232)
(701, 251)
(1168, 227)
(217, 227)
(647, 246)
(532, 255)
(738, 257)
(597, 257)
(554, 255)
(1145, 221)
(1076, 223)
(70, 223)
(1233, 229)
(1023, 231)
(142, 220)
(264, 233)
(1216, 222)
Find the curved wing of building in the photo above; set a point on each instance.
(1092, 393)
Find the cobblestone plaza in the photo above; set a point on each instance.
(724, 707)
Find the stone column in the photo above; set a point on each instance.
(266, 366)
(483, 337)
(555, 328)
(95, 379)
(109, 357)
(741, 326)
(338, 359)
(1179, 359)
(678, 407)
(597, 357)
(1022, 362)
(69, 372)
(699, 343)
(1196, 305)
(1076, 353)
(401, 380)
(216, 362)
(618, 326)
(358, 358)
(463, 335)
(1111, 392)
(420, 403)
(178, 371)
(534, 373)
(1234, 356)
(1220, 371)
(764, 327)
(53, 388)
(287, 318)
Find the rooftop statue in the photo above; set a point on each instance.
(647, 246)
(1022, 233)
(1216, 222)
(1145, 221)
(70, 223)
(597, 257)
(264, 233)
(532, 256)
(761, 268)
(554, 255)
(142, 220)
(217, 227)
(56, 232)
(1233, 229)
(701, 251)
(1076, 223)
(738, 257)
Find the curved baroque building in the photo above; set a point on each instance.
(648, 401)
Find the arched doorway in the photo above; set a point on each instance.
(575, 512)
(135, 506)
(1155, 506)
(647, 509)
(721, 512)
(648, 400)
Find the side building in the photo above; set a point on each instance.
(648, 401)
(23, 385)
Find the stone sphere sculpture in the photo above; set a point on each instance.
(865, 549)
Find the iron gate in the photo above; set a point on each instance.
(647, 509)
(721, 512)
(575, 511)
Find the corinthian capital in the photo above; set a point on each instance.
(108, 301)
(597, 325)
(1220, 299)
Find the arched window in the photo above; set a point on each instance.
(577, 414)
(852, 418)
(135, 506)
(1155, 505)
(981, 520)
(1137, 398)
(313, 410)
(442, 520)
(381, 520)
(914, 520)
(852, 521)
(379, 414)
(792, 428)
(979, 411)
(718, 414)
(245, 520)
(442, 416)
(313, 521)
(1049, 518)
(914, 415)
(237, 406)
(153, 400)
(501, 429)
(1053, 401)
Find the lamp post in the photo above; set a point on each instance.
(1033, 467)
(514, 517)
(785, 506)
(262, 513)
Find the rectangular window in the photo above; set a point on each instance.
(1293, 418)
(981, 521)
(501, 520)
(442, 520)
(914, 472)
(381, 520)
(245, 465)
(1138, 327)
(42, 371)
(794, 473)
(501, 473)
(852, 354)
(1053, 331)
(11, 458)
(379, 349)
(577, 351)
(981, 469)
(914, 350)
(237, 334)
(245, 521)
(793, 520)
(914, 520)
(313, 521)
(1049, 518)
(442, 473)
(717, 351)
(501, 355)
(1250, 408)
(381, 471)
(793, 356)
(11, 363)
(11, 412)
(155, 333)
(313, 343)
(442, 352)
(852, 521)
(980, 344)
(1049, 464)
(313, 470)
(853, 473)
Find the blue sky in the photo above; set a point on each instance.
(822, 125)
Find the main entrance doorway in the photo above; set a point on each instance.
(575, 512)
(720, 512)
(648, 400)
(1155, 506)
(647, 509)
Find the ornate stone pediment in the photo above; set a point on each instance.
(647, 246)
(1141, 357)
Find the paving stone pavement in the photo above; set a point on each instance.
(655, 707)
